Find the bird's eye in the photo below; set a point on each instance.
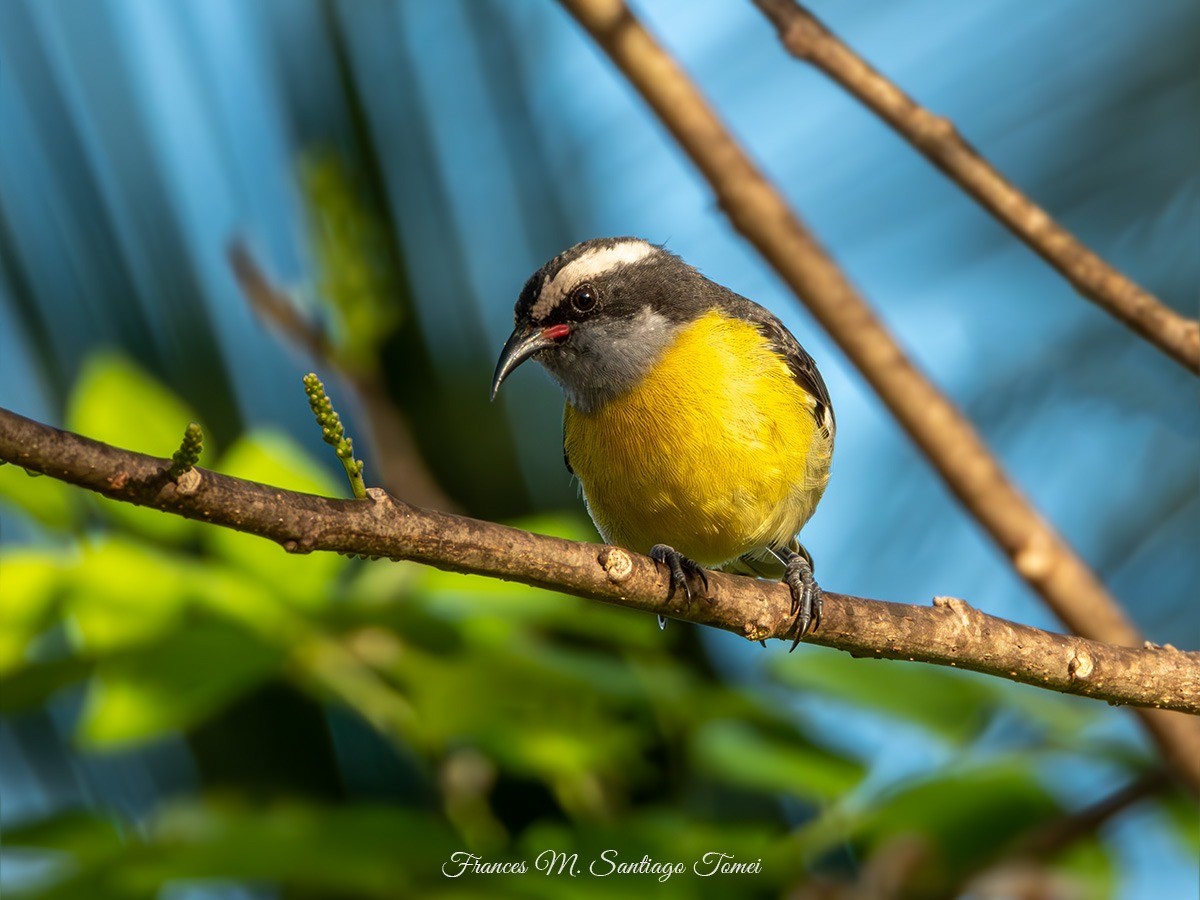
(584, 298)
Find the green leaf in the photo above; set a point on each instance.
(116, 402)
(32, 583)
(1090, 867)
(172, 684)
(35, 683)
(951, 703)
(745, 756)
(665, 835)
(251, 604)
(568, 730)
(940, 700)
(88, 839)
(562, 525)
(124, 593)
(968, 816)
(319, 852)
(273, 459)
(491, 608)
(1184, 820)
(47, 501)
(359, 274)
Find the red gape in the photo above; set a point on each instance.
(554, 332)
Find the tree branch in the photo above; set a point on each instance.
(947, 633)
(808, 39)
(948, 440)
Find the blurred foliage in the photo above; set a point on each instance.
(345, 725)
(517, 720)
(360, 278)
(964, 704)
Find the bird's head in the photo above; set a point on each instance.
(598, 316)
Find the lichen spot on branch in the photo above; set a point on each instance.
(1080, 665)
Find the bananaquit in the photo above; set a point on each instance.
(699, 428)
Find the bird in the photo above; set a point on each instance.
(700, 430)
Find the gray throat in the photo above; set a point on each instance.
(608, 358)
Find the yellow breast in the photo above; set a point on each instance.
(715, 452)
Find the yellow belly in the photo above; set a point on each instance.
(716, 451)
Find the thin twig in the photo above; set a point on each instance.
(808, 39)
(944, 435)
(273, 306)
(947, 633)
(1052, 838)
(396, 452)
(1059, 834)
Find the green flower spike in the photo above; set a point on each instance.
(333, 433)
(188, 454)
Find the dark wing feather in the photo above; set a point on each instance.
(566, 459)
(803, 369)
(800, 364)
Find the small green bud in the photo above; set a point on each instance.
(188, 454)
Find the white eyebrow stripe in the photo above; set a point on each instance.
(597, 262)
(592, 264)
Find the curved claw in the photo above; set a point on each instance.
(806, 595)
(680, 567)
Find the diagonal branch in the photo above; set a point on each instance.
(807, 38)
(947, 633)
(944, 435)
(1058, 835)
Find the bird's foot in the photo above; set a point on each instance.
(806, 595)
(682, 571)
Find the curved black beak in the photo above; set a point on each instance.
(521, 345)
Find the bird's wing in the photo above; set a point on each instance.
(566, 459)
(757, 565)
(765, 562)
(800, 364)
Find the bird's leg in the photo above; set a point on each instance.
(680, 567)
(806, 595)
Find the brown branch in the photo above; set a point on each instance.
(947, 439)
(1057, 835)
(1054, 837)
(273, 306)
(808, 39)
(947, 633)
(396, 451)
